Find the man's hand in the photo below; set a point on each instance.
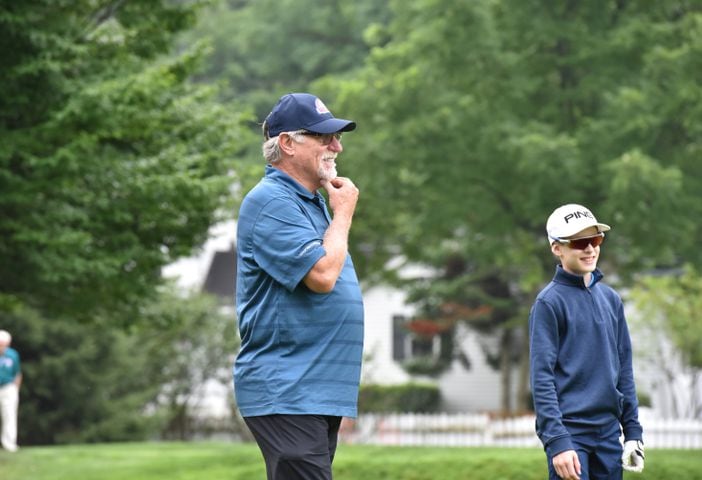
(343, 195)
(567, 465)
(633, 456)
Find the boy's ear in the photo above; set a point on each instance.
(556, 249)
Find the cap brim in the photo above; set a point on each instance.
(601, 227)
(332, 125)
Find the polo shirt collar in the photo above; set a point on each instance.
(283, 178)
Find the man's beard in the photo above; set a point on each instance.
(327, 172)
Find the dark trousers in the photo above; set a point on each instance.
(296, 447)
(599, 451)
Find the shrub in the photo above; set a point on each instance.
(408, 397)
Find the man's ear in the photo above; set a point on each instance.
(556, 249)
(286, 144)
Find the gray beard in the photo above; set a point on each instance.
(327, 174)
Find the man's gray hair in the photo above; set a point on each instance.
(5, 337)
(271, 149)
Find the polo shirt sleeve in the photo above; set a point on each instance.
(286, 242)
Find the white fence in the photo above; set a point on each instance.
(476, 430)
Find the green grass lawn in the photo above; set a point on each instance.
(234, 461)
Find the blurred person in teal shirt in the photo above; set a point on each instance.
(10, 381)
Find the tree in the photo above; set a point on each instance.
(263, 49)
(80, 381)
(112, 162)
(479, 118)
(666, 310)
(192, 340)
(101, 382)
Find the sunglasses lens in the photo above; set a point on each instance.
(582, 243)
(327, 139)
(324, 138)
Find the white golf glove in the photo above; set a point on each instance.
(633, 456)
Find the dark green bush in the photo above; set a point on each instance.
(644, 399)
(408, 397)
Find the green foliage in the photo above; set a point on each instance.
(670, 305)
(477, 119)
(190, 341)
(668, 336)
(265, 48)
(426, 366)
(476, 125)
(80, 381)
(409, 397)
(643, 398)
(112, 164)
(97, 382)
(215, 461)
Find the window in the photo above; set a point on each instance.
(408, 345)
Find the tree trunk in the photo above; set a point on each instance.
(506, 370)
(523, 393)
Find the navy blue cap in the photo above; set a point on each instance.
(303, 111)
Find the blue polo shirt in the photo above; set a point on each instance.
(300, 351)
(9, 366)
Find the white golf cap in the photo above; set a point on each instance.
(570, 219)
(5, 337)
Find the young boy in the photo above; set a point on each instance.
(582, 379)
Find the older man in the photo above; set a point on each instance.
(298, 298)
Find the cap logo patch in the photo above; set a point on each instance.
(576, 215)
(320, 107)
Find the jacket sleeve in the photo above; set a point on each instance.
(630, 411)
(543, 347)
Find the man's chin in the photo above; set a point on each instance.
(328, 175)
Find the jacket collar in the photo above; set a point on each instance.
(566, 278)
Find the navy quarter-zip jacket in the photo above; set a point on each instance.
(581, 361)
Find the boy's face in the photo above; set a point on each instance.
(576, 261)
